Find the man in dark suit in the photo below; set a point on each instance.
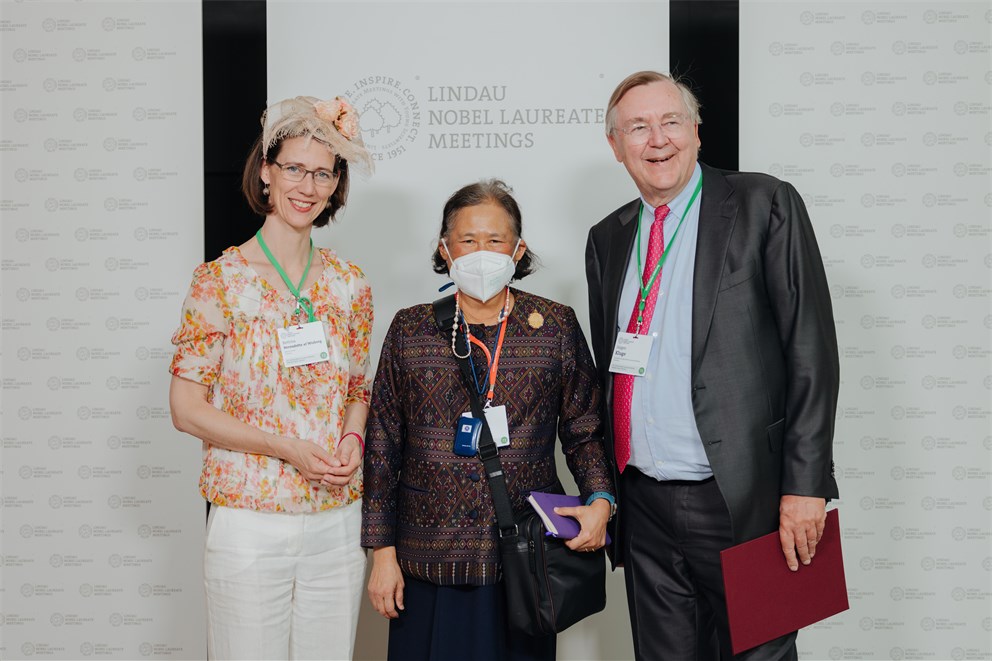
(714, 338)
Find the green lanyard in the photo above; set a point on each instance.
(302, 302)
(646, 288)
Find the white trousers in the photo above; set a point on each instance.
(283, 586)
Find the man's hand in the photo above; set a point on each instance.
(800, 526)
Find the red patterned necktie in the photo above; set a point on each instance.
(623, 384)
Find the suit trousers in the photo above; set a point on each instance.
(673, 533)
(283, 586)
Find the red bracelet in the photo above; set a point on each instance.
(361, 441)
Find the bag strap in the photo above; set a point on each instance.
(444, 315)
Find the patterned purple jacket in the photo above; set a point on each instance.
(434, 506)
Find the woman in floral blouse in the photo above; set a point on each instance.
(428, 512)
(270, 371)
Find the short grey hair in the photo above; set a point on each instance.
(689, 99)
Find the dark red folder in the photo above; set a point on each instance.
(765, 600)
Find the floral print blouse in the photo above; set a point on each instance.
(227, 341)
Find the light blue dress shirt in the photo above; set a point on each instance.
(664, 440)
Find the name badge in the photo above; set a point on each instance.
(631, 353)
(304, 344)
(496, 417)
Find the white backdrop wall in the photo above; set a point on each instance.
(879, 114)
(452, 92)
(102, 225)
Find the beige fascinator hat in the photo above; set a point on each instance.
(334, 122)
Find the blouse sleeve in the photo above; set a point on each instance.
(580, 425)
(360, 329)
(384, 443)
(199, 340)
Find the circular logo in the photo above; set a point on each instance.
(111, 263)
(775, 109)
(48, 25)
(27, 649)
(806, 17)
(25, 472)
(23, 353)
(899, 47)
(54, 383)
(897, 533)
(82, 294)
(898, 351)
(84, 472)
(22, 234)
(927, 503)
(141, 293)
(55, 560)
(866, 563)
(867, 17)
(836, 291)
(20, 55)
(867, 442)
(868, 261)
(959, 473)
(896, 594)
(82, 353)
(775, 48)
(145, 649)
(110, 144)
(868, 78)
(898, 108)
(898, 412)
(960, 108)
(390, 115)
(959, 351)
(114, 502)
(113, 383)
(930, 17)
(806, 79)
(109, 84)
(142, 413)
(145, 590)
(50, 144)
(836, 108)
(139, 114)
(929, 139)
(85, 532)
(114, 442)
(116, 619)
(83, 413)
(866, 623)
(958, 534)
(837, 48)
(138, 53)
(867, 321)
(108, 24)
(928, 442)
(141, 353)
(897, 291)
(86, 590)
(144, 472)
(928, 321)
(897, 654)
(140, 234)
(26, 532)
(960, 46)
(837, 170)
(929, 77)
(867, 383)
(55, 502)
(79, 114)
(867, 200)
(115, 560)
(806, 139)
(928, 382)
(140, 174)
(20, 115)
(86, 649)
(867, 503)
(78, 54)
(54, 442)
(112, 323)
(927, 624)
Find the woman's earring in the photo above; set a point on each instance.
(265, 191)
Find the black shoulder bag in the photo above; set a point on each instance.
(548, 586)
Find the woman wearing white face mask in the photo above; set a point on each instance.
(428, 511)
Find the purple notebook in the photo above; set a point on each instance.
(563, 527)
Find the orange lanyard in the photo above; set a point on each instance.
(493, 359)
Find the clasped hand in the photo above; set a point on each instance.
(318, 465)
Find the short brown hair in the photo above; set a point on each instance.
(487, 190)
(646, 78)
(252, 184)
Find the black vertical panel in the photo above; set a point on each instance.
(704, 52)
(234, 95)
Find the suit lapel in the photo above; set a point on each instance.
(616, 264)
(717, 215)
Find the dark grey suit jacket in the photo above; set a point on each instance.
(764, 365)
